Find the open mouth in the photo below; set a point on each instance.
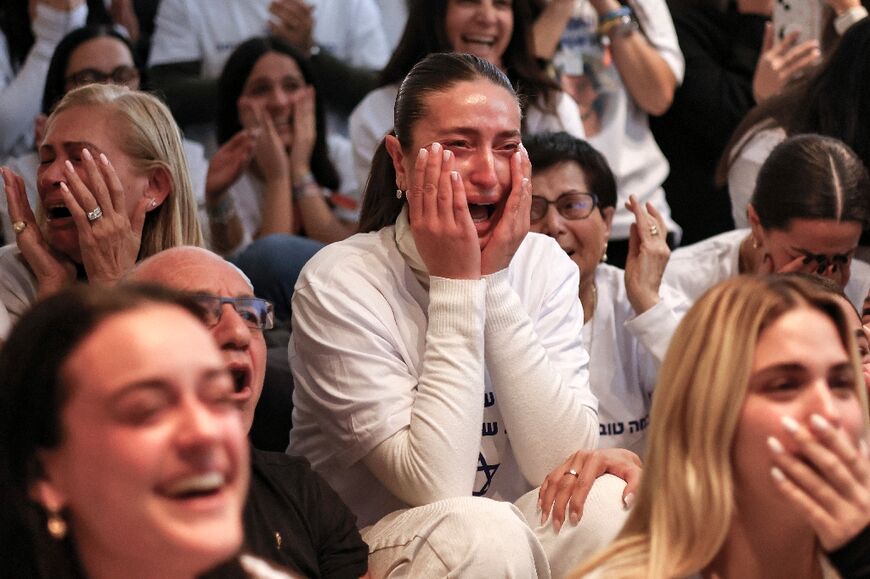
(481, 212)
(57, 212)
(568, 251)
(242, 377)
(486, 41)
(195, 486)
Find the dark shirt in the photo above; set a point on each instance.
(295, 519)
(721, 50)
(852, 560)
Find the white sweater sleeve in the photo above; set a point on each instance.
(434, 455)
(540, 374)
(21, 98)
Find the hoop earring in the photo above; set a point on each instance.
(399, 193)
(56, 526)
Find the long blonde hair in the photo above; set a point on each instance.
(685, 504)
(151, 138)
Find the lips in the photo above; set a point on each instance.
(57, 211)
(242, 375)
(482, 40)
(194, 486)
(481, 212)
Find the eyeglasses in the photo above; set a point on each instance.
(125, 75)
(257, 313)
(569, 205)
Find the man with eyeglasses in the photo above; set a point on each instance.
(292, 517)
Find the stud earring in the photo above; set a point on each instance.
(57, 527)
(399, 193)
(604, 255)
(755, 244)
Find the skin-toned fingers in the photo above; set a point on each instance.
(446, 194)
(98, 187)
(137, 220)
(116, 189)
(795, 265)
(832, 453)
(429, 184)
(767, 44)
(81, 197)
(800, 57)
(821, 520)
(414, 194)
(16, 198)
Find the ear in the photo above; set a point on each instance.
(159, 186)
(394, 148)
(45, 489)
(607, 214)
(755, 224)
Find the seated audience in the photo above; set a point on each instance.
(291, 515)
(279, 201)
(626, 323)
(113, 189)
(807, 212)
(499, 32)
(119, 462)
(757, 460)
(834, 101)
(437, 355)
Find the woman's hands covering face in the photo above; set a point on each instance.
(515, 220)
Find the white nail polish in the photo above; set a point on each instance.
(819, 423)
(775, 445)
(104, 159)
(790, 424)
(777, 474)
(447, 155)
(628, 500)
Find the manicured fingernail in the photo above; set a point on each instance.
(775, 445)
(819, 423)
(64, 187)
(454, 176)
(790, 424)
(87, 155)
(447, 155)
(104, 159)
(628, 500)
(69, 166)
(436, 148)
(574, 518)
(422, 154)
(777, 474)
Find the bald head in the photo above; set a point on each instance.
(199, 271)
(186, 268)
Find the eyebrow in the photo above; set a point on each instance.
(470, 131)
(73, 146)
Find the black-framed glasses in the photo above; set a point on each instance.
(569, 205)
(123, 74)
(257, 313)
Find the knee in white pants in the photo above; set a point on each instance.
(466, 537)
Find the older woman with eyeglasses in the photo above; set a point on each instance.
(627, 325)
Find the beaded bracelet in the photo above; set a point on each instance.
(306, 187)
(618, 22)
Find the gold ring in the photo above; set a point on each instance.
(573, 473)
(653, 229)
(19, 226)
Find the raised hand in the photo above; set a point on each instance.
(304, 132)
(229, 162)
(569, 484)
(109, 243)
(826, 478)
(648, 254)
(779, 62)
(294, 22)
(514, 223)
(53, 270)
(440, 221)
(270, 154)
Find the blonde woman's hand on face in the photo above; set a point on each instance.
(53, 271)
(440, 221)
(110, 243)
(569, 484)
(779, 62)
(229, 162)
(648, 254)
(514, 224)
(270, 154)
(826, 478)
(304, 132)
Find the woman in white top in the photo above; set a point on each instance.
(811, 202)
(627, 325)
(757, 461)
(436, 355)
(497, 31)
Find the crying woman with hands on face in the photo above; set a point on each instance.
(113, 189)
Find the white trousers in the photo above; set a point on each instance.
(471, 537)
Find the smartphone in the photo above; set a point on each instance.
(804, 16)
